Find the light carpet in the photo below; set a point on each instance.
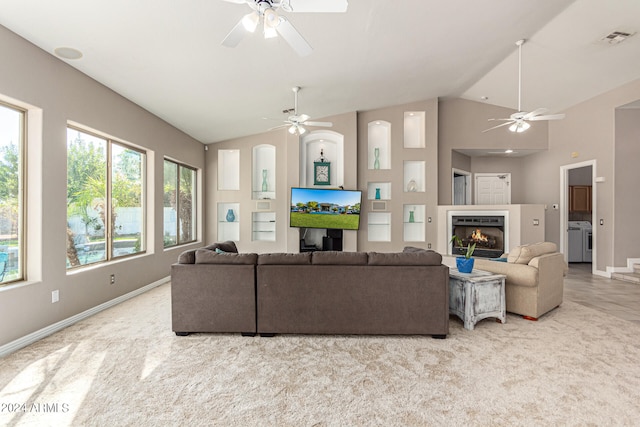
(124, 367)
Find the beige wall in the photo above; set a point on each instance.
(627, 179)
(589, 132)
(288, 175)
(34, 77)
(460, 126)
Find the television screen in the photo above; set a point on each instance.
(323, 208)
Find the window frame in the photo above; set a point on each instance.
(109, 232)
(22, 193)
(179, 166)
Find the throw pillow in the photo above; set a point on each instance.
(220, 251)
(498, 259)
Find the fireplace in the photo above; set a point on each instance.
(486, 231)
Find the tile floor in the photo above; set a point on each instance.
(618, 298)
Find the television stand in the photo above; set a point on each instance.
(333, 240)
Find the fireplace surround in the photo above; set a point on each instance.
(486, 231)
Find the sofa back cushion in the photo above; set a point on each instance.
(425, 257)
(187, 257)
(525, 253)
(339, 258)
(206, 256)
(285, 258)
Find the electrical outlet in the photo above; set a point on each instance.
(428, 245)
(55, 296)
(113, 279)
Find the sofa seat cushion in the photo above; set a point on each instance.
(525, 253)
(206, 256)
(339, 258)
(517, 274)
(425, 257)
(285, 258)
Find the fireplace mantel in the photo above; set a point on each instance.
(523, 223)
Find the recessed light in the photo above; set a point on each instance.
(68, 53)
(484, 98)
(508, 151)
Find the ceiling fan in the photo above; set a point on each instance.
(518, 122)
(297, 123)
(274, 23)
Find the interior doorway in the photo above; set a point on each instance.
(577, 210)
(461, 187)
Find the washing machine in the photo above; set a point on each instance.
(579, 241)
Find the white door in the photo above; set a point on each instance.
(493, 188)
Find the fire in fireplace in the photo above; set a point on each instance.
(487, 232)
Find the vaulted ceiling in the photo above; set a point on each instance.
(166, 55)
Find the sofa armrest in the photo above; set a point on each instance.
(551, 271)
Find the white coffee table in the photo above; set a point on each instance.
(477, 295)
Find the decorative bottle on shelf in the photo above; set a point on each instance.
(411, 217)
(377, 194)
(230, 216)
(265, 186)
(376, 161)
(412, 186)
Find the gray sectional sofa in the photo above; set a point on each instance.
(310, 293)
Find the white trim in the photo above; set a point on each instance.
(627, 269)
(564, 212)
(31, 338)
(468, 185)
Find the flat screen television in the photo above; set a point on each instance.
(324, 208)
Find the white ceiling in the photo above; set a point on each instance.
(166, 56)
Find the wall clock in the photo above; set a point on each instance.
(321, 173)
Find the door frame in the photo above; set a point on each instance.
(468, 184)
(564, 210)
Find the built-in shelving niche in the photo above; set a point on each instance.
(228, 221)
(414, 129)
(229, 170)
(379, 145)
(263, 172)
(332, 146)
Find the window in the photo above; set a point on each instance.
(105, 199)
(179, 204)
(12, 145)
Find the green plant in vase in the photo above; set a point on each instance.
(464, 263)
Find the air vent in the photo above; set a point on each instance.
(616, 37)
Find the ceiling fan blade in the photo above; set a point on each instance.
(548, 117)
(302, 118)
(500, 120)
(321, 124)
(499, 126)
(279, 127)
(316, 5)
(235, 36)
(293, 37)
(535, 112)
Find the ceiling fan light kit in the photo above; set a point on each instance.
(296, 123)
(274, 24)
(518, 122)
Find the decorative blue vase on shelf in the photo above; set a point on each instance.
(265, 186)
(465, 265)
(377, 194)
(376, 161)
(411, 217)
(230, 216)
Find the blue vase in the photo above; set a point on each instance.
(377, 194)
(230, 216)
(465, 265)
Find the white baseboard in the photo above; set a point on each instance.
(45, 332)
(627, 269)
